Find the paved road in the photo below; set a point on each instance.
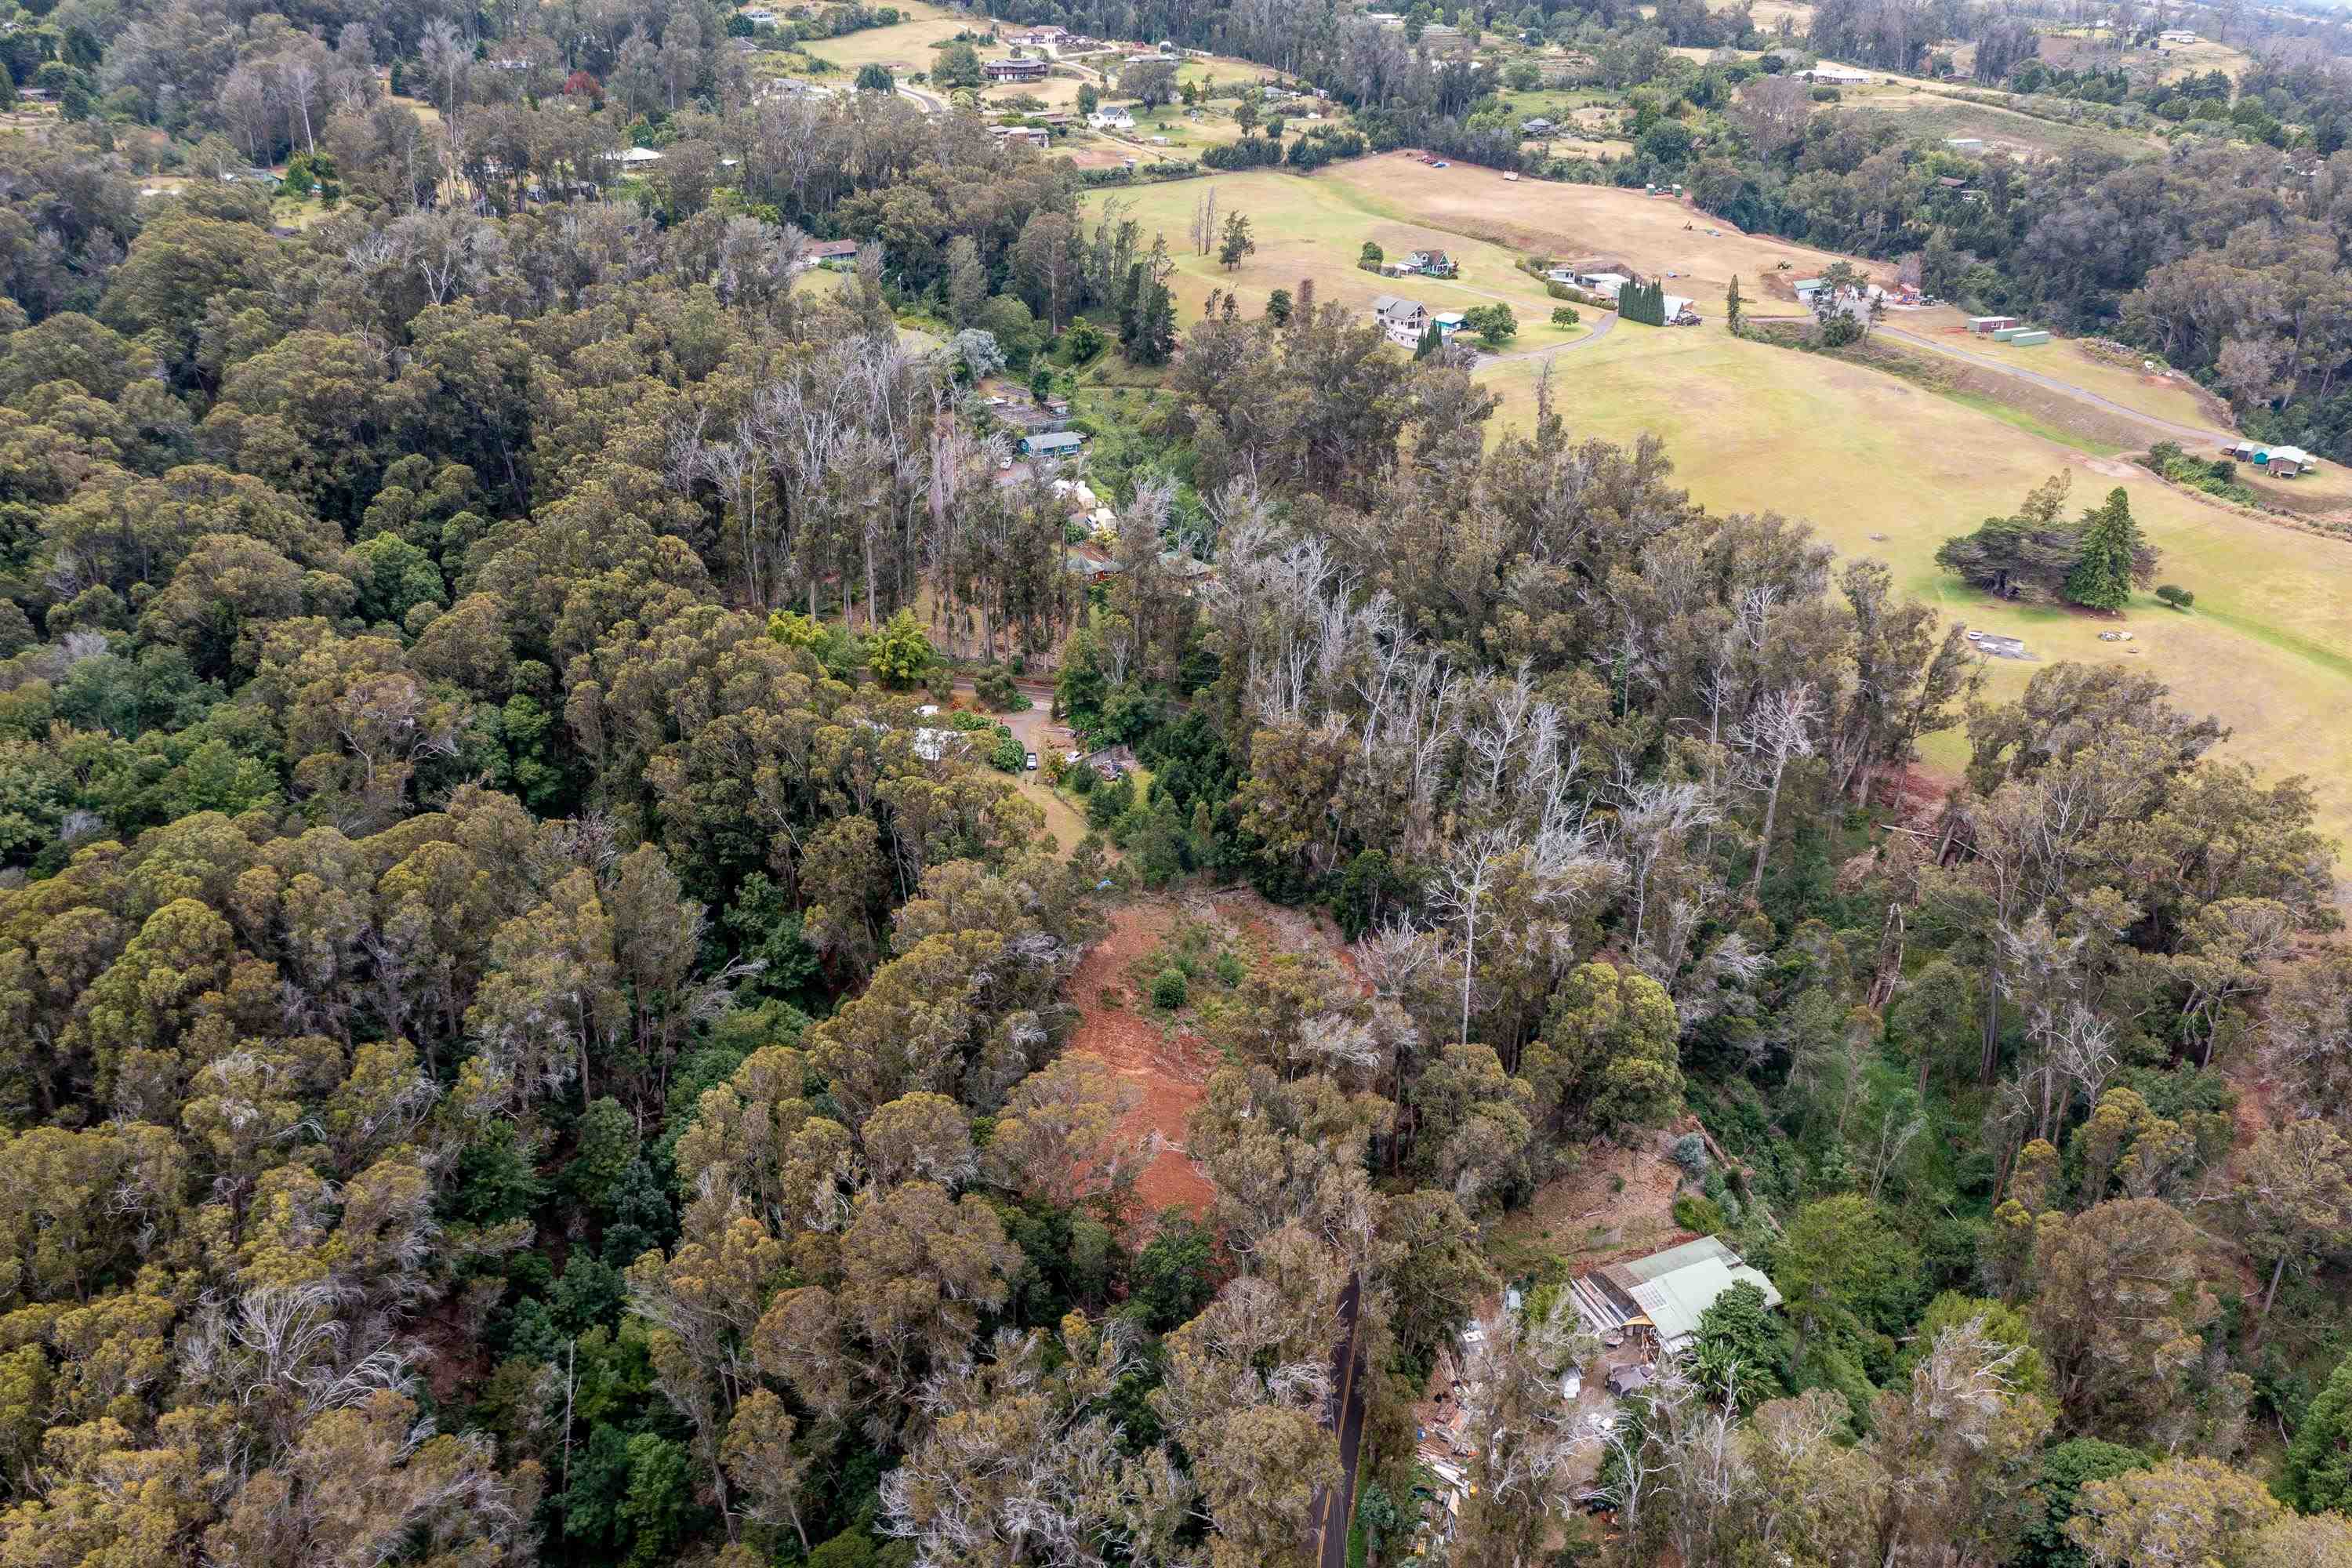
(2193, 435)
(930, 103)
(1345, 1414)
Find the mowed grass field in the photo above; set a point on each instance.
(906, 46)
(1314, 228)
(1752, 427)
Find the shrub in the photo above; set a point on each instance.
(1695, 1213)
(1690, 1152)
(2180, 598)
(1168, 990)
(995, 688)
(1230, 971)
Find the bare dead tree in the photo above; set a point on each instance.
(1776, 732)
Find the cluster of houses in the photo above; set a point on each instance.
(2278, 462)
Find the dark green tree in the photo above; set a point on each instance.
(2317, 1475)
(2110, 556)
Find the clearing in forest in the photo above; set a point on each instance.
(1167, 1068)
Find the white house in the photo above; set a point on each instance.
(1403, 319)
(1111, 118)
(2178, 36)
(633, 157)
(1835, 76)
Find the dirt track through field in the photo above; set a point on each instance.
(1167, 1068)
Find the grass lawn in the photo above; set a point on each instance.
(1314, 228)
(905, 48)
(1751, 427)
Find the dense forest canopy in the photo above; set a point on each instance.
(526, 1034)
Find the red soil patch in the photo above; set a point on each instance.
(1167, 1071)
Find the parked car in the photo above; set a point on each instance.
(1030, 763)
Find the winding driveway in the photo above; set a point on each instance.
(2190, 434)
(1602, 325)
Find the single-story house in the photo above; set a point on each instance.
(2178, 36)
(1605, 284)
(1835, 76)
(1112, 118)
(1448, 323)
(1659, 1298)
(1538, 126)
(831, 252)
(1014, 70)
(1986, 326)
(1052, 444)
(255, 176)
(633, 157)
(1026, 135)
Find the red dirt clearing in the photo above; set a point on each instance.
(1168, 1072)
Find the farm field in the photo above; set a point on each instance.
(904, 47)
(1313, 229)
(2163, 397)
(1932, 114)
(2269, 649)
(2204, 55)
(1531, 217)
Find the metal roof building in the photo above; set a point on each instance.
(1665, 1292)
